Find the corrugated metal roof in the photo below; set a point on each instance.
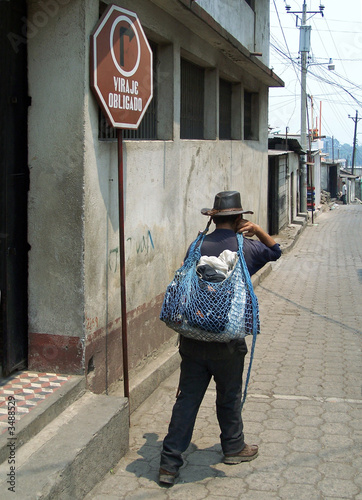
(279, 142)
(347, 175)
(277, 152)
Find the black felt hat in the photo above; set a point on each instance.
(226, 203)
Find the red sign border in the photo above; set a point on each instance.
(93, 69)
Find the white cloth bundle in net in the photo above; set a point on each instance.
(212, 310)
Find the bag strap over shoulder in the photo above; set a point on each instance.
(194, 252)
(255, 313)
(240, 239)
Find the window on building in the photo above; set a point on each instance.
(192, 101)
(147, 129)
(225, 96)
(251, 116)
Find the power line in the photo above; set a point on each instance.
(332, 38)
(324, 31)
(281, 27)
(345, 60)
(346, 93)
(336, 84)
(356, 120)
(322, 78)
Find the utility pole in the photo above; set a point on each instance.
(333, 148)
(356, 120)
(304, 49)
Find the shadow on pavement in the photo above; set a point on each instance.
(198, 463)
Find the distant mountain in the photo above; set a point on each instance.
(335, 150)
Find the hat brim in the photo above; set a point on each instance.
(211, 212)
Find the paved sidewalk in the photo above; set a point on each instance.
(304, 405)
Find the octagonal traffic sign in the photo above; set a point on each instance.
(121, 67)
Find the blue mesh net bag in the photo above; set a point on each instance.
(208, 310)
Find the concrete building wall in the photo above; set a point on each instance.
(75, 311)
(262, 29)
(293, 166)
(250, 27)
(283, 194)
(324, 176)
(288, 165)
(56, 68)
(283, 189)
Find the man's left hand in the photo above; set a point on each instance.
(247, 228)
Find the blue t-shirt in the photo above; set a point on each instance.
(255, 252)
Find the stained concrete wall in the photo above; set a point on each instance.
(293, 164)
(166, 185)
(283, 205)
(285, 172)
(56, 69)
(75, 312)
(250, 27)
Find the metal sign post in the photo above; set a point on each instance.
(121, 79)
(122, 263)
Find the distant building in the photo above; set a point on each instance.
(283, 181)
(330, 176)
(353, 183)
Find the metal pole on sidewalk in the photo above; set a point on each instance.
(304, 49)
(122, 262)
(303, 113)
(356, 120)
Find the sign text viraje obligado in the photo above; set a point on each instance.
(127, 98)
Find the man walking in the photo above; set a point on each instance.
(224, 361)
(344, 193)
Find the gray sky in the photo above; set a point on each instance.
(337, 35)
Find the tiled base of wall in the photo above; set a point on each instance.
(29, 389)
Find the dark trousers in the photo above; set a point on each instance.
(201, 361)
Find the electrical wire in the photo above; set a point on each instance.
(332, 82)
(343, 100)
(322, 78)
(283, 54)
(332, 38)
(347, 92)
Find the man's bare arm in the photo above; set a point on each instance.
(250, 229)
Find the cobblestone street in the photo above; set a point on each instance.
(304, 404)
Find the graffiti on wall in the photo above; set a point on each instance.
(143, 245)
(113, 259)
